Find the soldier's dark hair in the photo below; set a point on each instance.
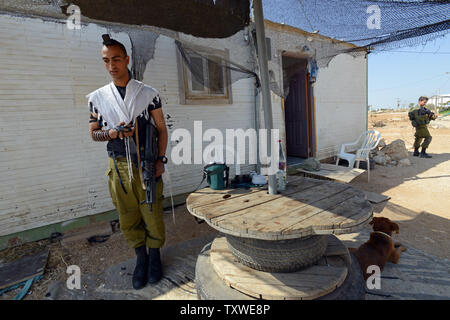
(423, 98)
(107, 41)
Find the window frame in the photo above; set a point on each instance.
(187, 96)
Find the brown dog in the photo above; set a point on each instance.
(380, 248)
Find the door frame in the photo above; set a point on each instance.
(310, 102)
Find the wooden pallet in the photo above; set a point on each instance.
(333, 172)
(23, 269)
(376, 197)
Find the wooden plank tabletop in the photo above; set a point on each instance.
(333, 172)
(307, 207)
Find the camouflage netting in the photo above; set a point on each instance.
(374, 24)
(370, 25)
(199, 62)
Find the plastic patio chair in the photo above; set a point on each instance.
(371, 140)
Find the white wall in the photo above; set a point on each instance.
(340, 89)
(162, 73)
(438, 100)
(340, 92)
(51, 170)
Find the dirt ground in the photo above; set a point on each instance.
(95, 258)
(419, 193)
(419, 203)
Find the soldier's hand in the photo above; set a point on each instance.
(159, 166)
(128, 132)
(113, 133)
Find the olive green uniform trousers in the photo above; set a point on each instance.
(138, 225)
(422, 133)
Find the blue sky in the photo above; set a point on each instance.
(406, 76)
(392, 76)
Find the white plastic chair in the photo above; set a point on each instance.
(371, 140)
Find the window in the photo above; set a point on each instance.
(203, 77)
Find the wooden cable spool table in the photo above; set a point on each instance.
(285, 235)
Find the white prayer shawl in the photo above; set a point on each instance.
(112, 109)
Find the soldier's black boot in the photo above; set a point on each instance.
(416, 152)
(140, 271)
(154, 265)
(423, 154)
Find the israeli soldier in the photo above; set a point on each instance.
(115, 112)
(420, 118)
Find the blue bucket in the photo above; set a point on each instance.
(217, 176)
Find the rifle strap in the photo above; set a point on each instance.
(118, 173)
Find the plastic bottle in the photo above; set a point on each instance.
(281, 173)
(282, 158)
(281, 180)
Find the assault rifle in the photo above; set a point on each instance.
(421, 112)
(431, 115)
(148, 154)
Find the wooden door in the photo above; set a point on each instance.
(296, 117)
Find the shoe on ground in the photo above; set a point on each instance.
(154, 266)
(423, 154)
(140, 271)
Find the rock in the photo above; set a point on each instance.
(378, 123)
(380, 159)
(396, 150)
(393, 163)
(404, 162)
(382, 143)
(388, 159)
(442, 123)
